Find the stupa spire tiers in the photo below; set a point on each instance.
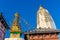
(15, 25)
(15, 30)
(16, 20)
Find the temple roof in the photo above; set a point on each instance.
(2, 20)
(42, 31)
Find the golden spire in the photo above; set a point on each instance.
(16, 21)
(15, 25)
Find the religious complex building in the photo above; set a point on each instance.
(45, 30)
(3, 27)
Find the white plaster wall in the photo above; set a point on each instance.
(14, 39)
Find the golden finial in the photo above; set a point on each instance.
(16, 15)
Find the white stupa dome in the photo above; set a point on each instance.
(44, 19)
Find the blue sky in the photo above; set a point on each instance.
(27, 9)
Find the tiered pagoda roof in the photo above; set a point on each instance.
(2, 20)
(42, 31)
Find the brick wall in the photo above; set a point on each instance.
(44, 37)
